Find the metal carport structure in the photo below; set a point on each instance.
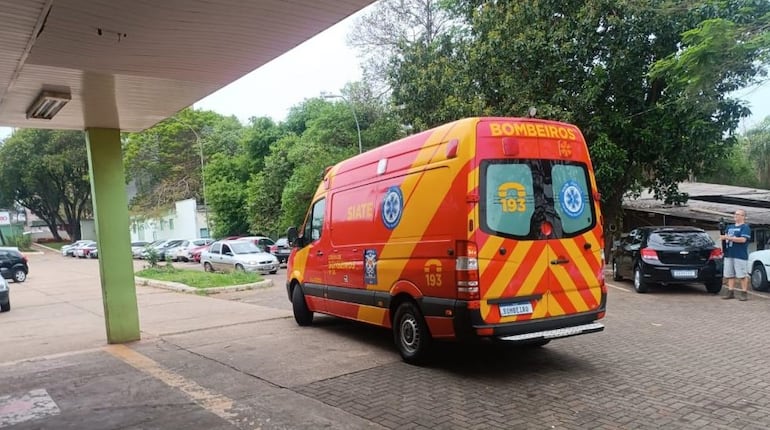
(126, 65)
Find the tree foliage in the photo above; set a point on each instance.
(640, 78)
(165, 161)
(46, 171)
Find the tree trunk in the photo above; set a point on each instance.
(54, 231)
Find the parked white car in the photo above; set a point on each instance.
(68, 250)
(759, 267)
(182, 252)
(230, 255)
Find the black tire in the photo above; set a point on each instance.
(714, 287)
(640, 286)
(616, 272)
(759, 278)
(6, 307)
(302, 314)
(207, 267)
(411, 334)
(19, 275)
(273, 272)
(239, 268)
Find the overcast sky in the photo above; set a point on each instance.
(326, 63)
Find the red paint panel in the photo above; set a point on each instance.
(440, 327)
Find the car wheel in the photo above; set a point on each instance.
(19, 276)
(239, 268)
(640, 286)
(714, 287)
(616, 272)
(759, 278)
(302, 314)
(6, 307)
(207, 267)
(411, 334)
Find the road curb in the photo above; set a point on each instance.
(183, 288)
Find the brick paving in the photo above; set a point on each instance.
(675, 358)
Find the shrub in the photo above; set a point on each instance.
(23, 241)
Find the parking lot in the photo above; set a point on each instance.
(673, 358)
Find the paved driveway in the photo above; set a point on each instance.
(675, 358)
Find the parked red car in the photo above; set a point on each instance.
(195, 253)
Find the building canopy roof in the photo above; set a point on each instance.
(131, 64)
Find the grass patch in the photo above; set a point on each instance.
(197, 278)
(55, 245)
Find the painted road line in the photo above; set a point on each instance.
(33, 405)
(215, 403)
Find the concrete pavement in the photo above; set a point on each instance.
(201, 362)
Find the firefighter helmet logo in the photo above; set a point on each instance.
(392, 207)
(571, 198)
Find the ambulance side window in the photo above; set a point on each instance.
(314, 226)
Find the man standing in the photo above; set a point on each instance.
(736, 239)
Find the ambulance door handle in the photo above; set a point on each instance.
(560, 261)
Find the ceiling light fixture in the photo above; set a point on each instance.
(48, 104)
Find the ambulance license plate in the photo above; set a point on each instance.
(519, 308)
(684, 274)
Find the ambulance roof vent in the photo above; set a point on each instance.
(382, 166)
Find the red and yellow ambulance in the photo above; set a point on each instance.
(480, 228)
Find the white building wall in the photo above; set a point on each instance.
(182, 222)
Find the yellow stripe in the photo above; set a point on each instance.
(554, 308)
(215, 403)
(371, 314)
(510, 267)
(420, 206)
(570, 290)
(487, 252)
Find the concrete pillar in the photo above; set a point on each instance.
(108, 193)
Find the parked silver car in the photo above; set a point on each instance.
(69, 250)
(230, 255)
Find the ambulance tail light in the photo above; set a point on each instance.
(649, 254)
(467, 270)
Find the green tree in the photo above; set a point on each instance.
(757, 144)
(226, 179)
(640, 78)
(165, 161)
(46, 171)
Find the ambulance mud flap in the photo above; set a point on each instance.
(555, 333)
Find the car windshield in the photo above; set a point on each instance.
(244, 248)
(282, 242)
(685, 239)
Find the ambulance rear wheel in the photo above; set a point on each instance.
(302, 314)
(411, 334)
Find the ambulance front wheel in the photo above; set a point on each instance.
(411, 334)
(302, 314)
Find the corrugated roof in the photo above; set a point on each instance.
(710, 202)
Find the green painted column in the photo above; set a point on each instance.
(108, 193)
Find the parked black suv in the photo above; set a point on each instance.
(13, 264)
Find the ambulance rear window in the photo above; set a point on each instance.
(519, 195)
